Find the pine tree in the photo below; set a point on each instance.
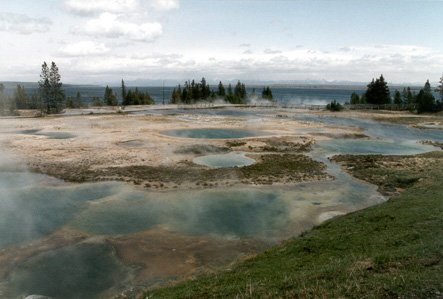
(21, 98)
(78, 100)
(221, 92)
(36, 102)
(70, 103)
(425, 102)
(355, 99)
(397, 98)
(96, 102)
(57, 93)
(45, 87)
(109, 98)
(174, 97)
(267, 93)
(440, 87)
(378, 92)
(123, 93)
(427, 87)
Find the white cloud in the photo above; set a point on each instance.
(89, 7)
(164, 5)
(92, 7)
(114, 26)
(83, 48)
(270, 51)
(23, 24)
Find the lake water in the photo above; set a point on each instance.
(283, 95)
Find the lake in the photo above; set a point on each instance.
(283, 95)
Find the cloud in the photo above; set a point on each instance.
(270, 51)
(23, 24)
(83, 48)
(115, 26)
(245, 45)
(89, 7)
(247, 52)
(164, 5)
(93, 7)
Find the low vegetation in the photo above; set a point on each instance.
(392, 250)
(334, 106)
(269, 169)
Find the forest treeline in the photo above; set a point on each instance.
(193, 92)
(51, 98)
(377, 93)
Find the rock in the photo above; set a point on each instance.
(37, 297)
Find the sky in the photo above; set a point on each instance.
(104, 41)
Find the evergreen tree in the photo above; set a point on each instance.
(378, 92)
(355, 99)
(363, 99)
(425, 102)
(130, 98)
(184, 96)
(221, 92)
(96, 102)
(57, 93)
(70, 103)
(179, 92)
(267, 94)
(123, 93)
(427, 87)
(404, 95)
(36, 102)
(21, 98)
(205, 91)
(410, 99)
(440, 88)
(174, 97)
(397, 98)
(109, 98)
(230, 94)
(45, 87)
(334, 106)
(78, 100)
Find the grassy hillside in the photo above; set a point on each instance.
(390, 250)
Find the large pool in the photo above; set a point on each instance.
(214, 133)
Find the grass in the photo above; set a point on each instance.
(392, 250)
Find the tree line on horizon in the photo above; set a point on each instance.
(51, 98)
(193, 92)
(377, 93)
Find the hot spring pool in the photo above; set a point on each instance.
(363, 146)
(225, 160)
(214, 133)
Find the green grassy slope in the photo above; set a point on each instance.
(394, 249)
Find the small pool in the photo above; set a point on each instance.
(214, 133)
(57, 135)
(363, 146)
(50, 135)
(225, 160)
